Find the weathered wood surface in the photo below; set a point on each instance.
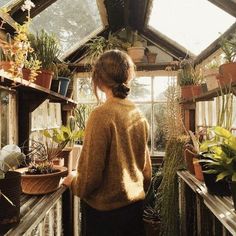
(40, 215)
(221, 207)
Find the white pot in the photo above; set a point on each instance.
(136, 53)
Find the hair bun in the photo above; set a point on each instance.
(121, 90)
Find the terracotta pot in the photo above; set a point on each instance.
(136, 53)
(228, 71)
(151, 57)
(190, 91)
(44, 78)
(198, 170)
(41, 183)
(10, 214)
(6, 65)
(188, 157)
(26, 73)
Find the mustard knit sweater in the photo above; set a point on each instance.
(114, 168)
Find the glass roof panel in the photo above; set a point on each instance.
(71, 21)
(5, 2)
(192, 24)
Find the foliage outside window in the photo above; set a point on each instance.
(148, 93)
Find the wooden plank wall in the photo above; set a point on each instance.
(8, 118)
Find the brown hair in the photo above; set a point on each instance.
(113, 69)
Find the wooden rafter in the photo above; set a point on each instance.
(214, 46)
(226, 5)
(20, 16)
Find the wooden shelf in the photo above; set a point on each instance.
(141, 66)
(30, 90)
(210, 95)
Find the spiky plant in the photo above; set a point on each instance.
(167, 199)
(46, 47)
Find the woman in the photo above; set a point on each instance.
(114, 169)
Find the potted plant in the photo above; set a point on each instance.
(10, 187)
(46, 48)
(41, 176)
(6, 55)
(66, 137)
(136, 50)
(64, 77)
(228, 69)
(192, 153)
(151, 56)
(151, 214)
(81, 113)
(98, 45)
(189, 80)
(211, 74)
(218, 161)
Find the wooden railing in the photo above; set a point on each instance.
(202, 213)
(48, 215)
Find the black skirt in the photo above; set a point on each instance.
(125, 221)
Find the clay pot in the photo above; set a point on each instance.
(190, 91)
(44, 78)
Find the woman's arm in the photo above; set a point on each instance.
(93, 155)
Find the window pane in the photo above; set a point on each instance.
(160, 85)
(140, 89)
(158, 127)
(5, 2)
(71, 21)
(184, 24)
(146, 109)
(85, 90)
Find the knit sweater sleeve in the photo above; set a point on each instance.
(92, 159)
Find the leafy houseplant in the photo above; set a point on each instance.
(189, 80)
(219, 160)
(136, 50)
(81, 114)
(66, 137)
(46, 48)
(99, 44)
(10, 186)
(228, 69)
(41, 176)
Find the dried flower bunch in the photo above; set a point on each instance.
(18, 49)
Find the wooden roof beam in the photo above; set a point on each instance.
(40, 5)
(226, 5)
(167, 45)
(214, 46)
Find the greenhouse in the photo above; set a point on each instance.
(118, 117)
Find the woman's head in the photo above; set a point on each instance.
(113, 70)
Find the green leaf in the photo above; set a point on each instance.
(234, 177)
(222, 132)
(222, 175)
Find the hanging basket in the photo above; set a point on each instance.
(10, 187)
(41, 183)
